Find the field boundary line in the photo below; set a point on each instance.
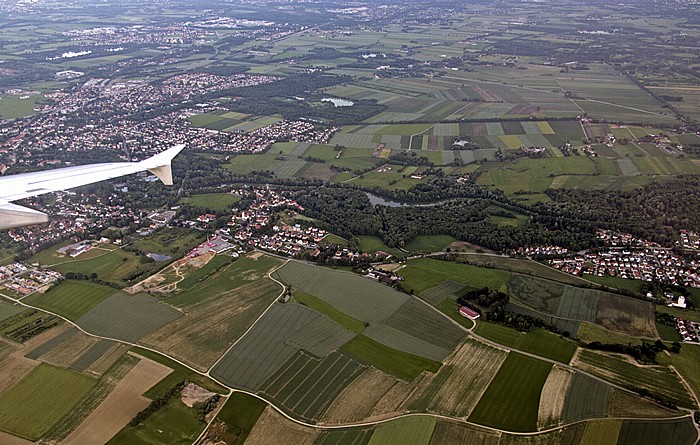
(284, 288)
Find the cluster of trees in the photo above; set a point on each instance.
(654, 212)
(644, 353)
(205, 408)
(157, 404)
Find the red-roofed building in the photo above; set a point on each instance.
(468, 313)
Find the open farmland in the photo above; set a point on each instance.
(463, 378)
(127, 317)
(360, 298)
(358, 400)
(628, 315)
(656, 379)
(553, 397)
(345, 436)
(586, 398)
(208, 328)
(240, 413)
(221, 277)
(172, 424)
(266, 348)
(540, 342)
(72, 299)
(400, 364)
(408, 430)
(110, 266)
(416, 319)
(446, 289)
(40, 399)
(120, 406)
(271, 427)
(602, 432)
(306, 386)
(623, 404)
(680, 431)
(519, 381)
(448, 433)
(27, 324)
(424, 273)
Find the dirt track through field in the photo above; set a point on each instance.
(121, 405)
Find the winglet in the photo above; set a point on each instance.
(160, 164)
(13, 215)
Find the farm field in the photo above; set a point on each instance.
(656, 379)
(627, 315)
(306, 386)
(208, 328)
(213, 201)
(373, 244)
(553, 397)
(172, 424)
(111, 266)
(356, 296)
(72, 299)
(345, 436)
(8, 309)
(400, 364)
(586, 398)
(13, 106)
(171, 241)
(448, 433)
(240, 413)
(461, 381)
(686, 364)
(424, 273)
(271, 427)
(127, 317)
(447, 290)
(539, 342)
(329, 311)
(272, 342)
(414, 318)
(603, 432)
(519, 380)
(681, 431)
(410, 431)
(40, 399)
(429, 243)
(244, 270)
(122, 403)
(450, 308)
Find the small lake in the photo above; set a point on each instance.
(158, 257)
(379, 201)
(338, 102)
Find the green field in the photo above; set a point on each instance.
(172, 424)
(602, 432)
(236, 274)
(587, 398)
(12, 106)
(112, 266)
(72, 299)
(635, 432)
(173, 241)
(8, 309)
(358, 297)
(429, 243)
(512, 399)
(397, 363)
(686, 363)
(415, 430)
(212, 201)
(448, 307)
(372, 244)
(40, 399)
(329, 311)
(240, 413)
(539, 342)
(424, 273)
(273, 341)
(127, 317)
(656, 379)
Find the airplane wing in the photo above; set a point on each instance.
(26, 185)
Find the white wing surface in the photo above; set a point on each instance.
(26, 185)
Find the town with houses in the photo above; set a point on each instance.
(632, 258)
(71, 119)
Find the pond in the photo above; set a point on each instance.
(338, 102)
